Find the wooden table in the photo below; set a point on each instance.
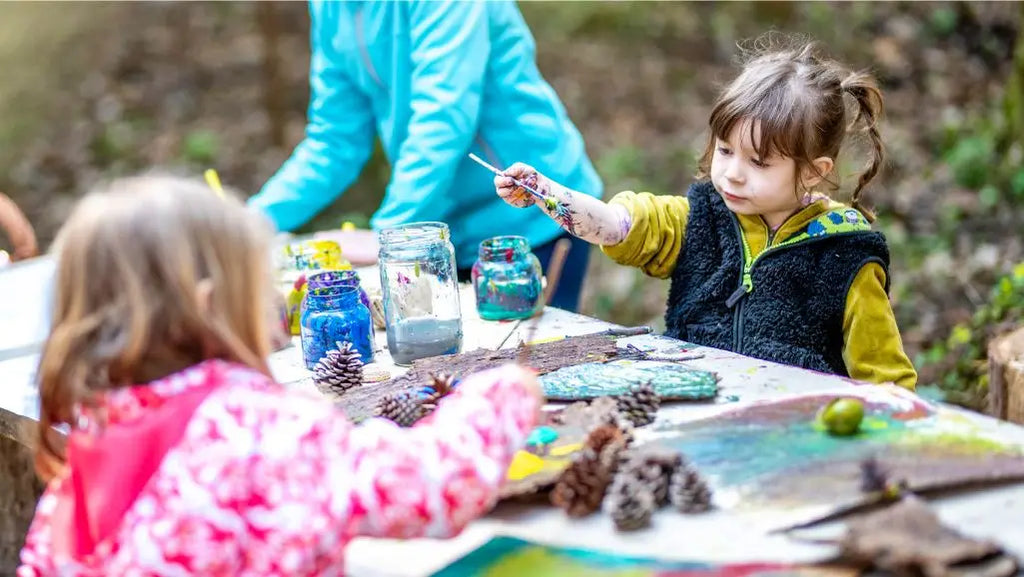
(714, 537)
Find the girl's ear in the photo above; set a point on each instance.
(819, 169)
(204, 296)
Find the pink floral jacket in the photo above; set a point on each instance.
(263, 481)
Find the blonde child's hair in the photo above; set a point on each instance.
(796, 97)
(154, 274)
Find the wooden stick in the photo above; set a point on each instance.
(514, 330)
(558, 254)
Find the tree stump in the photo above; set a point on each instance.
(19, 491)
(1006, 377)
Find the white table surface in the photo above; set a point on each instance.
(714, 537)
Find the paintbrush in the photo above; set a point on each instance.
(548, 201)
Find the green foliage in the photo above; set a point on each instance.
(978, 161)
(200, 146)
(622, 167)
(113, 142)
(1017, 183)
(962, 357)
(971, 159)
(943, 21)
(984, 156)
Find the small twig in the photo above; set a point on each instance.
(672, 358)
(815, 540)
(629, 331)
(558, 254)
(509, 335)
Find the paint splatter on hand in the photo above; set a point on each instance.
(564, 217)
(581, 215)
(516, 195)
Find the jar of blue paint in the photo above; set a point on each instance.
(335, 315)
(321, 282)
(507, 279)
(420, 291)
(335, 278)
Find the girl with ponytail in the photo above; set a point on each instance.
(763, 261)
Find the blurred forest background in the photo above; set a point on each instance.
(92, 90)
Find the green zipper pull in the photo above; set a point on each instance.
(745, 287)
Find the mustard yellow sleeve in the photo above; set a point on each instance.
(656, 234)
(872, 347)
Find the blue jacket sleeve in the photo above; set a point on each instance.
(339, 140)
(450, 48)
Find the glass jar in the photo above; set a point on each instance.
(420, 291)
(331, 317)
(327, 280)
(314, 255)
(506, 279)
(335, 278)
(297, 260)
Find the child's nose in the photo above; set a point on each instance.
(733, 171)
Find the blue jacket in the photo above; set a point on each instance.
(436, 80)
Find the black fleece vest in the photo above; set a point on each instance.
(794, 312)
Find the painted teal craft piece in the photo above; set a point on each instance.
(542, 436)
(514, 557)
(670, 380)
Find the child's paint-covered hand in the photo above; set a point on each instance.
(579, 214)
(516, 195)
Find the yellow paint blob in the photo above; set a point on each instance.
(546, 340)
(565, 449)
(523, 465)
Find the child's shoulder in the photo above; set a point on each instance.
(837, 218)
(261, 398)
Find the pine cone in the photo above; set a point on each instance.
(607, 443)
(652, 468)
(688, 492)
(441, 385)
(640, 404)
(340, 370)
(629, 502)
(402, 408)
(581, 487)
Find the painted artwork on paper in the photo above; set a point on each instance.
(672, 381)
(511, 557)
(777, 454)
(550, 447)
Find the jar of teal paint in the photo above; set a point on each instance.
(420, 291)
(507, 279)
